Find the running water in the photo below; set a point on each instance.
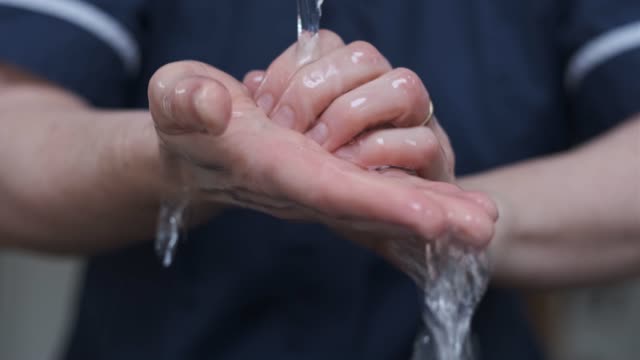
(170, 220)
(170, 225)
(309, 14)
(453, 279)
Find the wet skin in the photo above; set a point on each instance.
(299, 142)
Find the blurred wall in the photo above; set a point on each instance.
(597, 324)
(36, 299)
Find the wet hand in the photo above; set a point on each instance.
(230, 152)
(354, 104)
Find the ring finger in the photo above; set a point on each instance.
(397, 98)
(416, 149)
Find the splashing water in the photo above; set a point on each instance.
(170, 224)
(170, 219)
(453, 279)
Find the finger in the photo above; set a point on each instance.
(314, 87)
(484, 201)
(471, 215)
(444, 140)
(447, 188)
(411, 148)
(397, 98)
(394, 205)
(467, 220)
(195, 104)
(190, 96)
(339, 190)
(282, 69)
(169, 75)
(253, 80)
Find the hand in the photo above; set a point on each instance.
(352, 100)
(230, 152)
(353, 103)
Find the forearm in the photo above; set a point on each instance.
(74, 179)
(569, 219)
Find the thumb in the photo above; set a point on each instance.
(184, 101)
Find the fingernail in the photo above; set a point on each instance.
(347, 152)
(205, 108)
(284, 117)
(319, 133)
(265, 102)
(166, 106)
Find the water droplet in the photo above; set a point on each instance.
(416, 206)
(411, 142)
(313, 80)
(398, 82)
(358, 102)
(355, 57)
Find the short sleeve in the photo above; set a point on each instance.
(91, 48)
(601, 39)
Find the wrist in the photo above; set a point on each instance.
(138, 160)
(153, 173)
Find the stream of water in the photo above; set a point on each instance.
(452, 279)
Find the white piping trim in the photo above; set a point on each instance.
(600, 50)
(92, 19)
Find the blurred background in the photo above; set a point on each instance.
(37, 297)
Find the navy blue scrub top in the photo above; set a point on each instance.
(510, 80)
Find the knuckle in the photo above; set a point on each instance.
(367, 53)
(410, 81)
(330, 37)
(430, 147)
(413, 97)
(365, 47)
(407, 74)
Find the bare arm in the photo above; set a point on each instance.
(572, 218)
(73, 178)
(77, 179)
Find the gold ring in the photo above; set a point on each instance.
(427, 120)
